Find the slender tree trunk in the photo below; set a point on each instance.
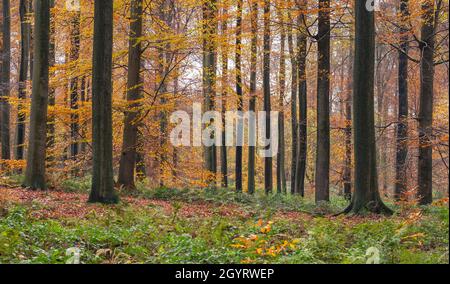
(5, 81)
(323, 104)
(303, 104)
(209, 81)
(348, 128)
(268, 177)
(102, 177)
(425, 175)
(281, 172)
(294, 110)
(223, 147)
(131, 128)
(51, 92)
(252, 102)
(35, 170)
(25, 36)
(240, 102)
(366, 196)
(402, 127)
(74, 95)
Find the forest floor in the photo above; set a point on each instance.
(215, 226)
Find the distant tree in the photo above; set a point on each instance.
(240, 101)
(223, 148)
(252, 102)
(74, 84)
(35, 170)
(102, 178)
(281, 171)
(268, 176)
(303, 101)
(25, 37)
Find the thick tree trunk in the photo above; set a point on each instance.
(209, 82)
(130, 134)
(102, 177)
(252, 102)
(35, 170)
(402, 127)
(366, 196)
(425, 175)
(323, 104)
(268, 177)
(240, 102)
(223, 147)
(25, 36)
(74, 95)
(303, 104)
(5, 81)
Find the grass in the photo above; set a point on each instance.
(146, 233)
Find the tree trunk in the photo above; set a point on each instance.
(294, 110)
(366, 196)
(240, 102)
(425, 175)
(252, 101)
(323, 104)
(209, 81)
(74, 97)
(5, 81)
(25, 36)
(402, 127)
(268, 178)
(130, 134)
(35, 170)
(102, 177)
(348, 128)
(303, 104)
(223, 147)
(51, 92)
(281, 173)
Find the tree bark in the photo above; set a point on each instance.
(25, 37)
(5, 81)
(425, 167)
(130, 142)
(348, 128)
(209, 81)
(102, 178)
(366, 196)
(240, 102)
(252, 101)
(35, 170)
(402, 127)
(281, 172)
(268, 177)
(223, 147)
(323, 104)
(74, 95)
(303, 105)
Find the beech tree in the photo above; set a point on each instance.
(35, 170)
(102, 177)
(130, 142)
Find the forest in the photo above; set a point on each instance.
(224, 131)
